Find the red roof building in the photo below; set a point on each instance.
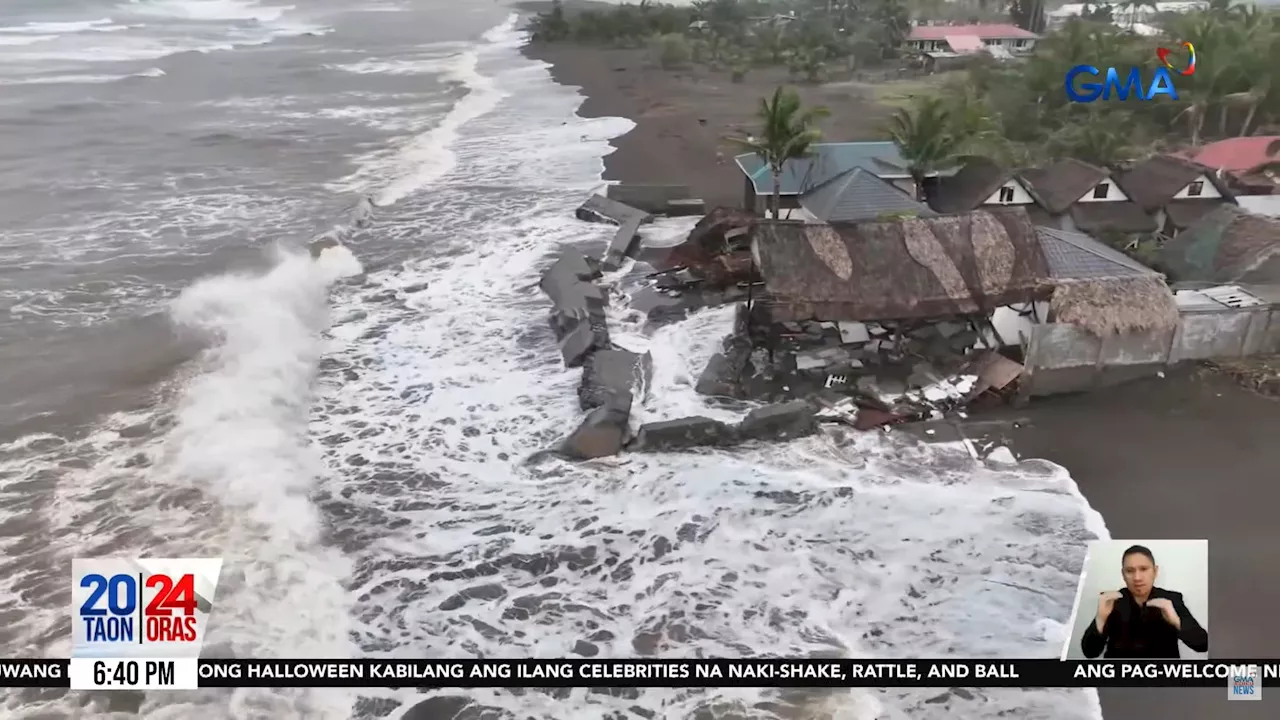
(943, 40)
(991, 31)
(1236, 157)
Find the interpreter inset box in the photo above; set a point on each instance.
(1141, 599)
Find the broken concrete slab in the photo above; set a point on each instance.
(623, 245)
(615, 378)
(684, 433)
(780, 421)
(685, 207)
(602, 432)
(601, 209)
(577, 316)
(579, 343)
(568, 282)
(571, 263)
(723, 375)
(648, 197)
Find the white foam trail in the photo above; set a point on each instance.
(208, 10)
(58, 28)
(429, 157)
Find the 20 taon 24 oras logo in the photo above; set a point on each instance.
(1082, 87)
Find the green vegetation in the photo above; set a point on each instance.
(787, 131)
(1016, 112)
(811, 38)
(1235, 91)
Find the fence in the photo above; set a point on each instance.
(1063, 358)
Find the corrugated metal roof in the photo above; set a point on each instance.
(1076, 256)
(858, 194)
(1233, 296)
(827, 161)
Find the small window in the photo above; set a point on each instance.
(1100, 191)
(1195, 188)
(1006, 194)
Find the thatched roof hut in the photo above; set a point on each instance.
(1227, 245)
(1102, 290)
(905, 269)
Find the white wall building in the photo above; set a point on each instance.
(1123, 16)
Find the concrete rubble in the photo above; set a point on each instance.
(577, 314)
(684, 433)
(864, 375)
(775, 422)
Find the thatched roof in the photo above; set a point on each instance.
(1226, 245)
(1119, 305)
(1185, 213)
(1060, 184)
(911, 268)
(969, 188)
(1101, 289)
(1153, 182)
(1113, 215)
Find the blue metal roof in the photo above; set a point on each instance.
(826, 161)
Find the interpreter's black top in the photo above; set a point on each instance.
(1138, 631)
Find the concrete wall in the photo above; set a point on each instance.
(1063, 358)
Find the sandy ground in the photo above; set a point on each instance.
(683, 116)
(1192, 455)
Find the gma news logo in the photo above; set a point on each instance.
(1082, 90)
(141, 607)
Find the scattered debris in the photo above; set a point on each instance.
(1260, 374)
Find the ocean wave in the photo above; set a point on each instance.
(208, 10)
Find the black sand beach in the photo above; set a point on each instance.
(1191, 455)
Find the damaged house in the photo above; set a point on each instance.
(910, 302)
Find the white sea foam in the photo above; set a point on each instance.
(209, 10)
(59, 28)
(150, 29)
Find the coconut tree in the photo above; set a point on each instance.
(926, 138)
(787, 132)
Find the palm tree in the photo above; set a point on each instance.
(787, 133)
(926, 139)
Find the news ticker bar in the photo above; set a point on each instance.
(192, 673)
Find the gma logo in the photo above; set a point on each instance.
(1082, 86)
